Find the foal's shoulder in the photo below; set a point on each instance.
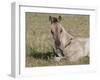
(82, 41)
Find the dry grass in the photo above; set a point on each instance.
(39, 42)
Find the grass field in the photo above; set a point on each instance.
(39, 42)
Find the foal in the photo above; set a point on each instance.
(66, 45)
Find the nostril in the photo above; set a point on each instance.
(56, 55)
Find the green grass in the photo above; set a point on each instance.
(39, 42)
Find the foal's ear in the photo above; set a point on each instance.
(50, 18)
(60, 18)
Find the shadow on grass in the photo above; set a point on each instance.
(41, 55)
(45, 56)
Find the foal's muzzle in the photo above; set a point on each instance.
(57, 43)
(58, 52)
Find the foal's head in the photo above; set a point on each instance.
(56, 29)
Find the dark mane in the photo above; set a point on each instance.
(54, 20)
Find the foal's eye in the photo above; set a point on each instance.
(51, 31)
